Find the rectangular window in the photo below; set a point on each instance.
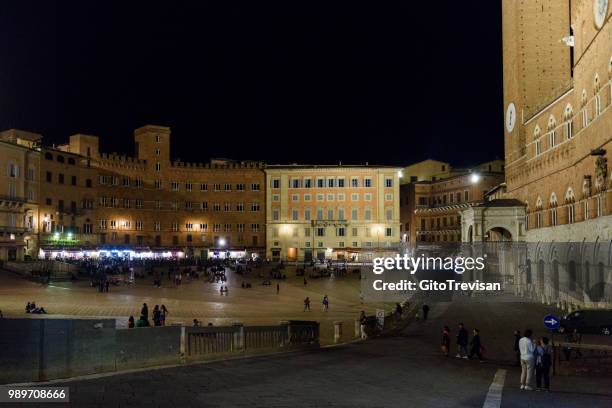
(276, 183)
(255, 187)
(354, 182)
(388, 182)
(341, 182)
(367, 182)
(203, 187)
(307, 183)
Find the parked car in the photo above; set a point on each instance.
(595, 321)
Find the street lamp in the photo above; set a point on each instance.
(475, 178)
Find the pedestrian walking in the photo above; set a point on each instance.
(145, 311)
(543, 363)
(106, 286)
(305, 281)
(425, 311)
(517, 352)
(307, 304)
(163, 315)
(476, 345)
(277, 288)
(527, 349)
(363, 321)
(156, 316)
(462, 342)
(325, 303)
(445, 341)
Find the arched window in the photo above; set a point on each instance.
(569, 201)
(538, 142)
(553, 209)
(48, 156)
(584, 108)
(597, 99)
(568, 121)
(552, 124)
(539, 212)
(60, 159)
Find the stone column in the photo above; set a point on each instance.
(238, 336)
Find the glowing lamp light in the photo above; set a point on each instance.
(400, 174)
(222, 242)
(69, 235)
(56, 235)
(475, 178)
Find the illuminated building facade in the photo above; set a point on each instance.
(434, 193)
(331, 212)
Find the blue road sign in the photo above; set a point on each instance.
(552, 322)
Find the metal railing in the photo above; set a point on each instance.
(578, 358)
(200, 342)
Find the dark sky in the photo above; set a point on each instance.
(292, 81)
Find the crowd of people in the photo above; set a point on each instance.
(160, 313)
(32, 308)
(466, 348)
(533, 356)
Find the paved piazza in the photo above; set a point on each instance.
(403, 371)
(197, 299)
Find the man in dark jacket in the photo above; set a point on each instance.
(425, 311)
(517, 351)
(145, 311)
(462, 342)
(475, 345)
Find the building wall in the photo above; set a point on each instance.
(426, 170)
(355, 219)
(430, 210)
(18, 200)
(557, 152)
(557, 156)
(75, 197)
(152, 201)
(67, 198)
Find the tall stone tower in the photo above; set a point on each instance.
(153, 145)
(537, 63)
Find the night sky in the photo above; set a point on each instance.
(383, 82)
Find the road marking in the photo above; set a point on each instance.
(494, 396)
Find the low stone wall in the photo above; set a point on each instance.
(44, 349)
